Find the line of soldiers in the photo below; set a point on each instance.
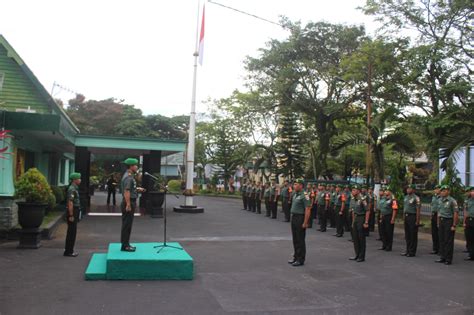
(356, 209)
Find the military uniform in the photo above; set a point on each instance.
(272, 202)
(128, 183)
(447, 207)
(387, 208)
(411, 205)
(469, 225)
(72, 196)
(266, 197)
(300, 201)
(347, 211)
(371, 202)
(252, 196)
(243, 193)
(332, 203)
(359, 208)
(378, 210)
(323, 207)
(339, 204)
(285, 203)
(258, 199)
(434, 222)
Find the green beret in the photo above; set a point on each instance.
(470, 188)
(75, 176)
(444, 187)
(299, 181)
(340, 186)
(347, 186)
(437, 186)
(412, 186)
(322, 184)
(131, 161)
(363, 186)
(355, 186)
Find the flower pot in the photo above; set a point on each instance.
(154, 204)
(30, 215)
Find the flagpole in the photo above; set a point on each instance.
(189, 206)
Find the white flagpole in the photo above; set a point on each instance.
(192, 124)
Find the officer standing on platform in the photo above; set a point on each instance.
(129, 203)
(388, 213)
(339, 204)
(411, 215)
(300, 213)
(285, 202)
(448, 216)
(469, 223)
(434, 220)
(360, 219)
(73, 209)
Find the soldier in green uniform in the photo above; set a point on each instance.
(252, 196)
(388, 213)
(378, 200)
(248, 193)
(469, 223)
(339, 205)
(332, 204)
(313, 191)
(448, 216)
(73, 208)
(360, 222)
(434, 220)
(371, 202)
(273, 200)
(411, 215)
(285, 202)
(347, 209)
(266, 197)
(243, 193)
(258, 198)
(300, 213)
(323, 206)
(129, 202)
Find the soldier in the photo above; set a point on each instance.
(277, 198)
(300, 213)
(411, 214)
(381, 197)
(323, 206)
(339, 204)
(469, 223)
(129, 203)
(448, 214)
(388, 213)
(266, 197)
(332, 204)
(434, 220)
(252, 197)
(285, 194)
(243, 193)
(73, 209)
(313, 191)
(249, 196)
(347, 208)
(272, 200)
(258, 198)
(371, 202)
(360, 222)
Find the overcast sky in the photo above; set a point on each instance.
(141, 51)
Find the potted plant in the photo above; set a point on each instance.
(156, 196)
(35, 192)
(93, 184)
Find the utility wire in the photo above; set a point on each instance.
(249, 14)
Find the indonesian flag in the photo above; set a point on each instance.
(201, 37)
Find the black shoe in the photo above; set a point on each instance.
(338, 235)
(388, 249)
(318, 230)
(297, 264)
(465, 251)
(291, 261)
(128, 249)
(351, 240)
(403, 254)
(289, 221)
(411, 255)
(435, 252)
(322, 230)
(469, 258)
(360, 260)
(447, 263)
(441, 260)
(71, 255)
(382, 248)
(353, 258)
(378, 239)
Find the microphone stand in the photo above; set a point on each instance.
(161, 247)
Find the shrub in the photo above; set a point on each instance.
(174, 185)
(59, 193)
(34, 188)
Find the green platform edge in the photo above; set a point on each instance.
(97, 269)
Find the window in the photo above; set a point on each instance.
(2, 78)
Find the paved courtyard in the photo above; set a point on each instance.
(240, 268)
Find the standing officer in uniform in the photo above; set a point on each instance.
(347, 212)
(388, 213)
(371, 202)
(252, 196)
(381, 197)
(469, 223)
(129, 203)
(332, 204)
(300, 213)
(111, 187)
(411, 214)
(266, 197)
(285, 203)
(73, 208)
(243, 193)
(448, 216)
(272, 201)
(339, 205)
(434, 220)
(258, 198)
(323, 206)
(360, 219)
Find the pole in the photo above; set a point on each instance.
(188, 201)
(369, 115)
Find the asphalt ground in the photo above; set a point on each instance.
(240, 268)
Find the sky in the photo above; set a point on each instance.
(142, 51)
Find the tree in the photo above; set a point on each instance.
(289, 151)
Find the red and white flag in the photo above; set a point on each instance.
(201, 37)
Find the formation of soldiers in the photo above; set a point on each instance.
(357, 210)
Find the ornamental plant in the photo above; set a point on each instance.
(33, 187)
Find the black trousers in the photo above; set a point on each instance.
(379, 225)
(244, 199)
(348, 219)
(340, 220)
(111, 192)
(71, 232)
(372, 220)
(434, 231)
(299, 235)
(332, 215)
(411, 233)
(358, 236)
(273, 208)
(469, 232)
(251, 204)
(258, 204)
(267, 207)
(286, 208)
(127, 222)
(323, 216)
(446, 239)
(387, 227)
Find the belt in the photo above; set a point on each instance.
(298, 214)
(443, 218)
(407, 214)
(360, 215)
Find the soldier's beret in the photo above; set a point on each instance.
(131, 161)
(75, 175)
(340, 186)
(412, 186)
(299, 181)
(470, 188)
(355, 186)
(363, 186)
(444, 187)
(437, 186)
(347, 186)
(322, 184)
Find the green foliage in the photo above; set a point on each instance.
(34, 188)
(158, 185)
(94, 180)
(174, 185)
(59, 193)
(454, 182)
